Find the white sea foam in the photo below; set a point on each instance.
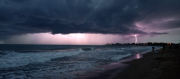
(15, 59)
(118, 57)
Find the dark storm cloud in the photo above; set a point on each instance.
(162, 14)
(85, 16)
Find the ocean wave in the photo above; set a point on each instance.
(15, 59)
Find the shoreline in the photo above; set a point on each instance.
(111, 70)
(163, 64)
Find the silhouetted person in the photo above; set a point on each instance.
(153, 48)
(164, 47)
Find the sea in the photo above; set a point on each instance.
(59, 61)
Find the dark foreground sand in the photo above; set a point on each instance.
(162, 65)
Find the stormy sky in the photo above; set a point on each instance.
(88, 21)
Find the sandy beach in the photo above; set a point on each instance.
(162, 65)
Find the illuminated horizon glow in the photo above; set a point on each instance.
(77, 37)
(68, 39)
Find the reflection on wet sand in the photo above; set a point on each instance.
(138, 56)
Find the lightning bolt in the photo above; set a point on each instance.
(136, 38)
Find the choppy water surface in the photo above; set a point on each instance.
(66, 63)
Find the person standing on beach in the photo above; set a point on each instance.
(153, 49)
